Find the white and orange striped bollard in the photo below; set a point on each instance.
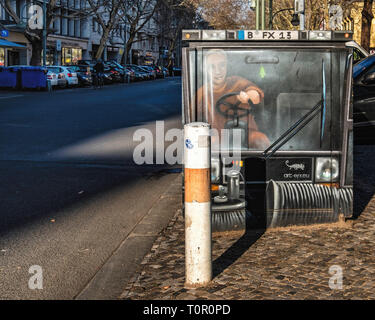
(197, 161)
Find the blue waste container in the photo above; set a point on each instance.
(8, 78)
(33, 77)
(29, 77)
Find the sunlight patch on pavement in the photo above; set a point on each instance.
(13, 96)
(115, 145)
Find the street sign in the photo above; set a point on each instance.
(4, 33)
(58, 45)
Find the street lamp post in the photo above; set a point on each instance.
(270, 15)
(260, 14)
(263, 14)
(299, 7)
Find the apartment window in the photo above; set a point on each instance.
(77, 29)
(71, 27)
(65, 26)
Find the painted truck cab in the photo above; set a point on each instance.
(280, 110)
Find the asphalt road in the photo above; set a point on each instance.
(70, 191)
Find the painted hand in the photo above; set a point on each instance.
(253, 95)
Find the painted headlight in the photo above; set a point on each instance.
(320, 35)
(215, 170)
(326, 169)
(213, 34)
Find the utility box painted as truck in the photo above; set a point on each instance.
(279, 105)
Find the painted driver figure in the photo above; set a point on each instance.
(219, 84)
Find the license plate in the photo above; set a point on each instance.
(270, 35)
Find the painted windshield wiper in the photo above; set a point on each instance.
(292, 131)
(324, 107)
(302, 122)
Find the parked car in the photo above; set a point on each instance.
(150, 69)
(137, 76)
(52, 77)
(87, 62)
(159, 71)
(126, 73)
(70, 76)
(176, 71)
(118, 74)
(150, 74)
(166, 72)
(364, 100)
(107, 75)
(359, 52)
(130, 74)
(83, 74)
(61, 79)
(143, 75)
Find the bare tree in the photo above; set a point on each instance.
(225, 14)
(317, 15)
(107, 14)
(172, 16)
(367, 16)
(136, 13)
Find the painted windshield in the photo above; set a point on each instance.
(263, 92)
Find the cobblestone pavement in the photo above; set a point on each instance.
(284, 263)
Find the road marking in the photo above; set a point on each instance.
(16, 125)
(9, 97)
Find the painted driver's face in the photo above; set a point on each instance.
(217, 68)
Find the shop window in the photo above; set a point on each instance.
(71, 55)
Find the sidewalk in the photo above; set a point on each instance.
(287, 263)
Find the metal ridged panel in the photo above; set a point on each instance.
(306, 203)
(291, 204)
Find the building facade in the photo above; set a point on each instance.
(75, 34)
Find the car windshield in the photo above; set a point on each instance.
(117, 65)
(137, 68)
(363, 65)
(54, 69)
(283, 85)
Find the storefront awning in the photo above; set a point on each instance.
(9, 44)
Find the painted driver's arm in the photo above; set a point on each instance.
(252, 92)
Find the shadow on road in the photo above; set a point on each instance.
(36, 192)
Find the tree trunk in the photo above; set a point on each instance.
(367, 17)
(36, 55)
(103, 41)
(129, 45)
